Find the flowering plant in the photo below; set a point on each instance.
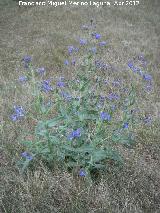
(92, 114)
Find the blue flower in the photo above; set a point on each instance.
(60, 84)
(61, 78)
(140, 72)
(71, 49)
(147, 77)
(19, 110)
(148, 88)
(125, 90)
(147, 120)
(82, 173)
(78, 98)
(142, 59)
(100, 65)
(136, 69)
(26, 155)
(126, 125)
(18, 113)
(26, 66)
(83, 41)
(27, 59)
(76, 49)
(41, 70)
(66, 62)
(102, 97)
(77, 81)
(74, 134)
(23, 79)
(14, 117)
(130, 64)
(46, 87)
(100, 103)
(113, 96)
(106, 81)
(73, 62)
(105, 116)
(97, 36)
(113, 107)
(93, 50)
(66, 96)
(116, 83)
(102, 43)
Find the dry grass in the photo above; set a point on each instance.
(44, 33)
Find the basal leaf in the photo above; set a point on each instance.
(55, 121)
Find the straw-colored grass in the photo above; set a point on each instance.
(44, 33)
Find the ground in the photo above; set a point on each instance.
(44, 33)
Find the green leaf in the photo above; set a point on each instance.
(99, 166)
(54, 139)
(71, 164)
(53, 122)
(42, 132)
(27, 143)
(62, 111)
(44, 109)
(44, 151)
(116, 137)
(25, 165)
(86, 116)
(99, 155)
(83, 149)
(68, 148)
(40, 128)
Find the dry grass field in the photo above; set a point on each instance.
(44, 33)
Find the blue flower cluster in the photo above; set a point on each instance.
(41, 71)
(113, 107)
(72, 49)
(27, 156)
(23, 79)
(83, 97)
(102, 43)
(113, 96)
(142, 60)
(147, 120)
(146, 77)
(66, 62)
(74, 134)
(101, 65)
(96, 35)
(125, 125)
(18, 113)
(93, 50)
(73, 62)
(60, 84)
(45, 86)
(66, 96)
(27, 60)
(104, 116)
(116, 83)
(83, 41)
(82, 173)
